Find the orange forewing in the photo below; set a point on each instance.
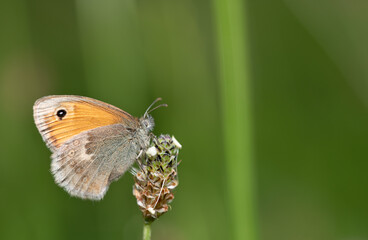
(82, 114)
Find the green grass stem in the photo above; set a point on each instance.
(237, 115)
(147, 231)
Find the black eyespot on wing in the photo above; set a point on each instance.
(61, 113)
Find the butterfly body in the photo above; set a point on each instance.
(92, 143)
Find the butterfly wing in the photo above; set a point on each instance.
(81, 114)
(87, 163)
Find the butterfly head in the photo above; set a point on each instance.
(147, 122)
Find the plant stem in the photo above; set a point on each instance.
(237, 115)
(147, 231)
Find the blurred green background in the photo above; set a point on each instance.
(308, 88)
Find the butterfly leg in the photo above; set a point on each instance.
(139, 155)
(138, 158)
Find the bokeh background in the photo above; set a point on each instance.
(308, 89)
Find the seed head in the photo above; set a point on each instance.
(157, 177)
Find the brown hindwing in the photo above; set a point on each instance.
(86, 164)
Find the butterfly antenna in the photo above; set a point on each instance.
(149, 108)
(157, 99)
(161, 105)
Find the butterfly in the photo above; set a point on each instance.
(92, 143)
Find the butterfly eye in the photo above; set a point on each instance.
(61, 113)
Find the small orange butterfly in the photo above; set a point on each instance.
(93, 143)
